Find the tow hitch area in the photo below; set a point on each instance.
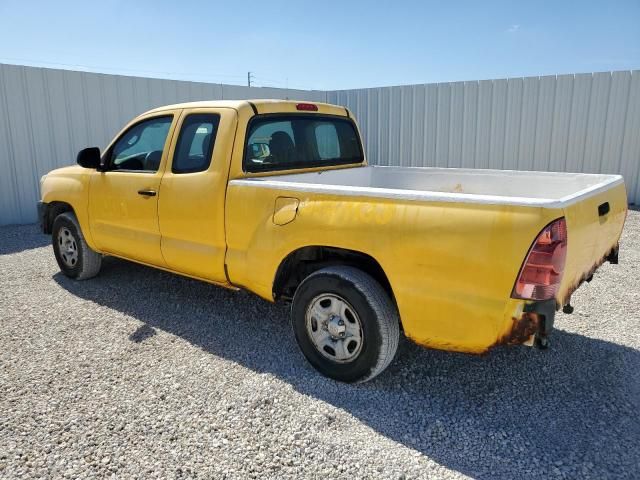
(533, 326)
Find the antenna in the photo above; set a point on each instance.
(249, 78)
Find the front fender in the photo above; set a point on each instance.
(70, 185)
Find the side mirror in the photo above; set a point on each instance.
(89, 157)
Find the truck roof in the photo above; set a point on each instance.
(258, 106)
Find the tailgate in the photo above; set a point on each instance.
(594, 225)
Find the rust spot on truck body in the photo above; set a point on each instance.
(521, 330)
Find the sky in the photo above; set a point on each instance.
(326, 44)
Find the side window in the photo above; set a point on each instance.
(195, 143)
(140, 147)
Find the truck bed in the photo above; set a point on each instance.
(594, 205)
(548, 189)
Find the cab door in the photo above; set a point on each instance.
(192, 193)
(123, 198)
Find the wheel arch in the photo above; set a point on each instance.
(302, 262)
(54, 209)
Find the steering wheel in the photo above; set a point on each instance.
(152, 160)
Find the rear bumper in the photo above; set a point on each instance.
(534, 322)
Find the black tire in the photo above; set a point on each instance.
(377, 314)
(84, 263)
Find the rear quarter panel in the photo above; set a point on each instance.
(451, 265)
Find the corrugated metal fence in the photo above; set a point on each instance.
(47, 115)
(577, 123)
(581, 123)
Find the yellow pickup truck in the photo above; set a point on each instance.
(276, 197)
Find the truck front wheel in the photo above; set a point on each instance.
(345, 323)
(75, 258)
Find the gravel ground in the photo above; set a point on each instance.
(142, 374)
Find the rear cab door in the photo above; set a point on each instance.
(192, 193)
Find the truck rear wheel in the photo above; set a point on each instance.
(345, 324)
(75, 258)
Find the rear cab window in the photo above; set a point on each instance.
(296, 141)
(195, 143)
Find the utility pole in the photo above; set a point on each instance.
(249, 76)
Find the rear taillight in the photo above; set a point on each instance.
(541, 271)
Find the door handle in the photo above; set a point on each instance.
(147, 193)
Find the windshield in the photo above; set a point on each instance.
(279, 142)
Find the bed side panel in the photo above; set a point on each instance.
(451, 265)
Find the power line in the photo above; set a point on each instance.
(284, 86)
(211, 77)
(122, 69)
(270, 83)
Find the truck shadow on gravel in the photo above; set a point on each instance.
(18, 238)
(570, 411)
